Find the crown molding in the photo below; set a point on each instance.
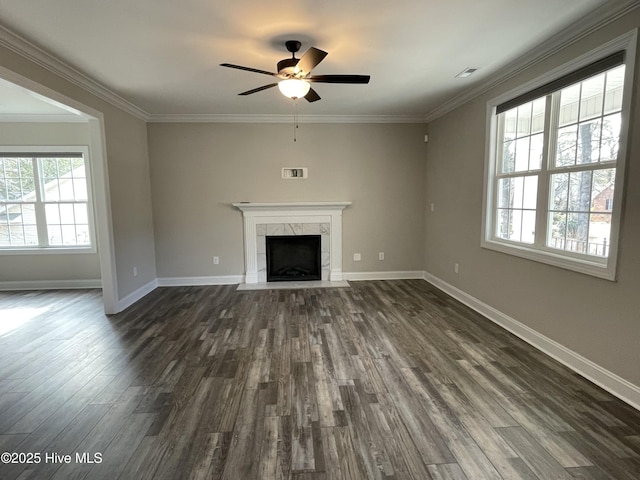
(589, 24)
(37, 55)
(228, 118)
(40, 118)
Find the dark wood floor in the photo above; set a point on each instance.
(383, 380)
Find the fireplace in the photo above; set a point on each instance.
(262, 220)
(293, 258)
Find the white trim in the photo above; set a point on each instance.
(267, 118)
(136, 295)
(397, 275)
(40, 118)
(50, 284)
(612, 383)
(578, 30)
(198, 281)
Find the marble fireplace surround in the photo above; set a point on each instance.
(292, 218)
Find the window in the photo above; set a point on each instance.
(555, 165)
(44, 201)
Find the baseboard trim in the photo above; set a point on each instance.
(197, 281)
(397, 275)
(50, 284)
(609, 381)
(136, 295)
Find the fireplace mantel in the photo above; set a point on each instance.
(292, 214)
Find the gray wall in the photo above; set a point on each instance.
(49, 267)
(198, 170)
(596, 318)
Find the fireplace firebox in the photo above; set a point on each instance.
(293, 258)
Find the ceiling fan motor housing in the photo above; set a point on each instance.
(287, 66)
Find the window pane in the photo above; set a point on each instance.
(579, 191)
(537, 119)
(80, 213)
(80, 189)
(577, 232)
(559, 191)
(599, 234)
(569, 98)
(510, 192)
(515, 227)
(510, 119)
(530, 196)
(613, 92)
(517, 191)
(16, 179)
(18, 225)
(51, 189)
(566, 148)
(524, 120)
(602, 190)
(502, 225)
(66, 214)
(610, 137)
(522, 154)
(589, 142)
(528, 226)
(52, 212)
(68, 234)
(535, 152)
(55, 235)
(82, 234)
(504, 195)
(592, 97)
(508, 156)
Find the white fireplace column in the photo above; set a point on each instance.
(292, 214)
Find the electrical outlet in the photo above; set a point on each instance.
(433, 207)
(135, 271)
(216, 260)
(456, 268)
(357, 257)
(381, 256)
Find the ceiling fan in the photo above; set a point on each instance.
(295, 74)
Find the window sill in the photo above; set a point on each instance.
(48, 250)
(604, 269)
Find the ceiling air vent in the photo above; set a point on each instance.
(466, 72)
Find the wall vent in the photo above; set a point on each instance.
(294, 172)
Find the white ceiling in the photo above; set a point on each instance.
(18, 104)
(164, 56)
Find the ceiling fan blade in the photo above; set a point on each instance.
(259, 89)
(356, 79)
(309, 60)
(248, 69)
(312, 96)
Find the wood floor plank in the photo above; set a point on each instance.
(381, 380)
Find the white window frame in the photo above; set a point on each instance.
(57, 249)
(598, 267)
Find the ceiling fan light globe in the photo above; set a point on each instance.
(294, 88)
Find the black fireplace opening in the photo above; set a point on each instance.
(293, 258)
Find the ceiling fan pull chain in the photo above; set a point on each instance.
(295, 119)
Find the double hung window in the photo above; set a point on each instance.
(44, 201)
(555, 168)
